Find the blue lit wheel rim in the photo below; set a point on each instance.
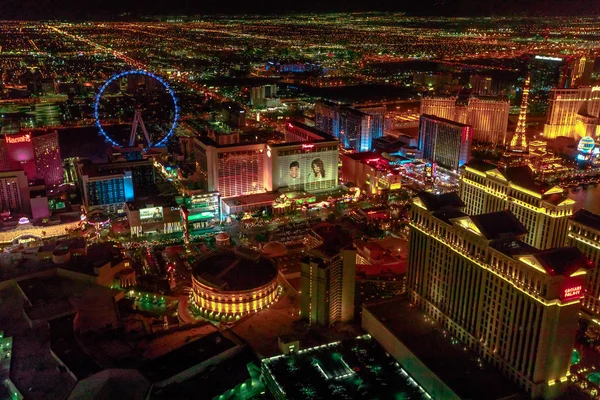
(163, 141)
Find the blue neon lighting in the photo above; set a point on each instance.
(107, 138)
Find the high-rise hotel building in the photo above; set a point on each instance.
(445, 142)
(487, 115)
(543, 209)
(514, 305)
(35, 152)
(573, 113)
(355, 127)
(584, 233)
(328, 274)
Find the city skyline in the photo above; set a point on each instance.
(278, 202)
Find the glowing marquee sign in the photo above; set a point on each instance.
(18, 139)
(572, 292)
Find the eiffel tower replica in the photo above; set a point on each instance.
(517, 153)
(137, 120)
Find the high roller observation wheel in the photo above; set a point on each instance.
(108, 139)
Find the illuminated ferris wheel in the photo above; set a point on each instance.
(128, 96)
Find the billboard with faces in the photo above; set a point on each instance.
(307, 170)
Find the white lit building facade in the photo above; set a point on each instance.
(571, 111)
(487, 115)
(515, 305)
(544, 210)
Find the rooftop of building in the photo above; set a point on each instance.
(523, 177)
(382, 261)
(112, 384)
(436, 202)
(498, 225)
(218, 380)
(210, 142)
(185, 357)
(94, 170)
(231, 270)
(447, 214)
(250, 199)
(458, 367)
(334, 240)
(587, 218)
(66, 348)
(513, 248)
(99, 254)
(444, 120)
(320, 135)
(480, 165)
(350, 369)
(563, 261)
(150, 201)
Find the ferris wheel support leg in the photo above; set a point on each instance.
(145, 131)
(134, 126)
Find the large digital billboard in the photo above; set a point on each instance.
(308, 168)
(152, 214)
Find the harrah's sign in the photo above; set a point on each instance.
(18, 139)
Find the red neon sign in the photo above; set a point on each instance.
(18, 139)
(308, 146)
(572, 292)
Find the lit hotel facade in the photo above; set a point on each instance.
(487, 115)
(514, 305)
(445, 142)
(543, 210)
(307, 161)
(573, 112)
(584, 233)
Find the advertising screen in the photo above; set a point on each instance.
(308, 169)
(152, 214)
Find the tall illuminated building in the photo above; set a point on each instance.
(232, 169)
(110, 185)
(327, 117)
(514, 305)
(584, 233)
(328, 275)
(543, 209)
(14, 192)
(446, 142)
(355, 127)
(487, 115)
(35, 152)
(547, 72)
(570, 110)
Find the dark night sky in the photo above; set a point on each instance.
(108, 9)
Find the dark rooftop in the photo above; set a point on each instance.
(99, 254)
(563, 260)
(448, 214)
(65, 346)
(480, 165)
(234, 271)
(444, 120)
(185, 357)
(214, 382)
(436, 202)
(514, 248)
(499, 225)
(334, 240)
(587, 218)
(456, 367)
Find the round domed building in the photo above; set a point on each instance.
(230, 284)
(274, 249)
